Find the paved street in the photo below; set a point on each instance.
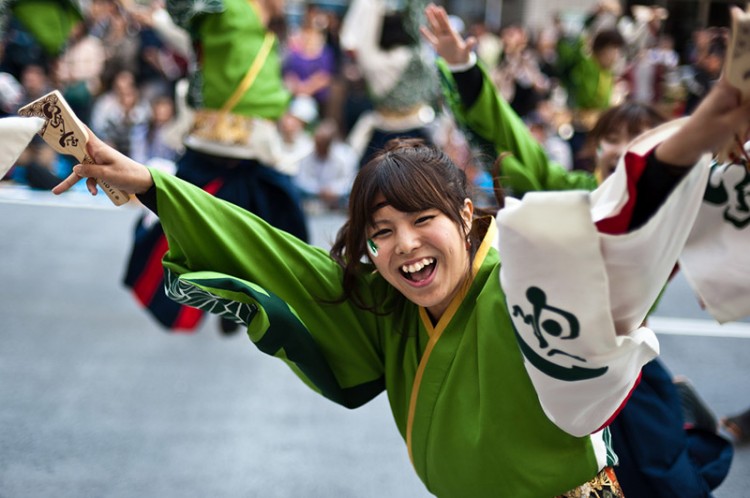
(97, 401)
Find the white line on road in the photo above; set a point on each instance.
(694, 327)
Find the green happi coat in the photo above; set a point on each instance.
(526, 167)
(458, 390)
(230, 34)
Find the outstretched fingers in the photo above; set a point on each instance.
(443, 38)
(66, 184)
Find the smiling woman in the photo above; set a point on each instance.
(506, 343)
(418, 235)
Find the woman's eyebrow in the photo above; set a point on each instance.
(379, 206)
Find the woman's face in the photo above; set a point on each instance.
(610, 149)
(424, 255)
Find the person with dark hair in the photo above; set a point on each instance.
(705, 71)
(517, 73)
(500, 379)
(401, 82)
(665, 436)
(309, 62)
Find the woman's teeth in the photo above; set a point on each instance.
(415, 267)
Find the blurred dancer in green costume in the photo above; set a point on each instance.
(234, 149)
(48, 21)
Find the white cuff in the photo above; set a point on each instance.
(461, 68)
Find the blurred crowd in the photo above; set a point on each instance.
(122, 77)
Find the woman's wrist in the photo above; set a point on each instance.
(460, 67)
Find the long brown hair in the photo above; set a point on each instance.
(412, 177)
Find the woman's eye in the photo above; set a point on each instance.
(380, 233)
(424, 219)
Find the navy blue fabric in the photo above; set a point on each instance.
(659, 458)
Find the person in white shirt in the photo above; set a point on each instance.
(326, 175)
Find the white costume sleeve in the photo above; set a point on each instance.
(716, 259)
(578, 297)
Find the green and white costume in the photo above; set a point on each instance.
(491, 121)
(480, 416)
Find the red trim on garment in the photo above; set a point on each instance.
(187, 318)
(624, 402)
(619, 223)
(213, 186)
(151, 277)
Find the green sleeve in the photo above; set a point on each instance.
(225, 260)
(526, 166)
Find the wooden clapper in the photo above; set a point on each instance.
(64, 132)
(737, 72)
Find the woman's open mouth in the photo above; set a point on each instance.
(419, 271)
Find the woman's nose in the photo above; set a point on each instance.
(408, 241)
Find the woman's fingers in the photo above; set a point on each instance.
(91, 185)
(73, 178)
(66, 184)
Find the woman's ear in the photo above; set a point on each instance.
(467, 214)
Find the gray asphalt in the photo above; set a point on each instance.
(97, 401)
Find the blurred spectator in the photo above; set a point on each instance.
(648, 53)
(309, 62)
(35, 83)
(147, 141)
(665, 59)
(557, 149)
(489, 45)
(294, 127)
(546, 50)
(517, 74)
(326, 175)
(355, 100)
(121, 45)
(99, 16)
(79, 69)
(118, 111)
(701, 75)
(39, 166)
(604, 15)
(641, 31)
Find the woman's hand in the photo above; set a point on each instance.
(721, 120)
(444, 39)
(110, 166)
(720, 117)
